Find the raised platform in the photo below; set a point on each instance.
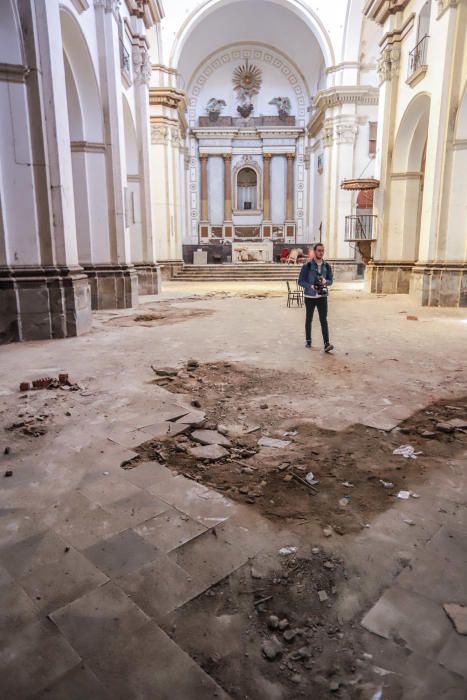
(343, 271)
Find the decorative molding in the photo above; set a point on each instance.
(87, 147)
(13, 73)
(80, 5)
(166, 97)
(159, 134)
(444, 5)
(142, 68)
(346, 132)
(108, 5)
(412, 175)
(389, 63)
(417, 76)
(337, 96)
(380, 10)
(150, 11)
(343, 66)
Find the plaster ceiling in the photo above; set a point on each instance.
(256, 21)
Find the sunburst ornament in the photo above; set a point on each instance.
(247, 79)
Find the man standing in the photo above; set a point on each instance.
(315, 278)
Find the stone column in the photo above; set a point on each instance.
(204, 187)
(227, 187)
(267, 187)
(114, 282)
(290, 181)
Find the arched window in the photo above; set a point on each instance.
(247, 189)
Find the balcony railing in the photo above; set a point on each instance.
(418, 56)
(360, 227)
(124, 58)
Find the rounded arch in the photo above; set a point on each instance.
(297, 7)
(255, 167)
(131, 143)
(11, 38)
(411, 135)
(79, 66)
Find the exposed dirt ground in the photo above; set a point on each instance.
(358, 473)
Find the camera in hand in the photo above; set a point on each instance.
(320, 286)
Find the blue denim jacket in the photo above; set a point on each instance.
(309, 273)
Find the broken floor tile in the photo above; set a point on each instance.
(169, 530)
(194, 418)
(273, 443)
(169, 411)
(210, 453)
(458, 616)
(145, 474)
(108, 489)
(128, 439)
(210, 437)
(205, 505)
(418, 622)
(209, 558)
(160, 431)
(24, 669)
(121, 553)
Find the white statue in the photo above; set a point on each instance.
(283, 105)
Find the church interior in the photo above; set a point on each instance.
(197, 502)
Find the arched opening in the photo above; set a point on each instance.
(407, 180)
(86, 143)
(455, 246)
(247, 189)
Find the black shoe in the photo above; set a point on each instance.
(328, 347)
(308, 344)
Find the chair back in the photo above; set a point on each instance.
(288, 286)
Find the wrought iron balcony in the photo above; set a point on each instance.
(418, 56)
(360, 227)
(124, 58)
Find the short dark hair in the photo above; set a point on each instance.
(318, 244)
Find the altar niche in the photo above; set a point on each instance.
(247, 189)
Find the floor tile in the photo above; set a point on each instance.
(453, 655)
(108, 490)
(121, 553)
(161, 431)
(160, 586)
(209, 558)
(150, 666)
(90, 621)
(16, 609)
(78, 684)
(32, 659)
(169, 530)
(206, 506)
(23, 557)
(138, 508)
(53, 585)
(147, 473)
(129, 438)
(420, 623)
(166, 411)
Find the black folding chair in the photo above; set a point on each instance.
(293, 295)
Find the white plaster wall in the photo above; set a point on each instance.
(278, 189)
(216, 190)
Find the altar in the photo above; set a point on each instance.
(252, 251)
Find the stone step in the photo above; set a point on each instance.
(248, 271)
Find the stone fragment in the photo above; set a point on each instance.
(323, 596)
(458, 423)
(283, 624)
(327, 532)
(255, 573)
(8, 473)
(328, 565)
(264, 406)
(208, 452)
(210, 437)
(458, 616)
(289, 635)
(194, 418)
(273, 622)
(271, 648)
(247, 470)
(166, 371)
(427, 433)
(445, 427)
(296, 678)
(192, 364)
(272, 442)
(335, 685)
(196, 404)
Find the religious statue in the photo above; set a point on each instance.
(214, 107)
(247, 82)
(283, 105)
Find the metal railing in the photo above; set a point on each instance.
(360, 227)
(418, 55)
(124, 58)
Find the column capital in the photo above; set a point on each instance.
(290, 156)
(203, 156)
(267, 156)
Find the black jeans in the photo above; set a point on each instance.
(322, 305)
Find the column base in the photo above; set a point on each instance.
(437, 284)
(388, 277)
(112, 286)
(169, 268)
(149, 278)
(41, 303)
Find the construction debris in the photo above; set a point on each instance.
(458, 616)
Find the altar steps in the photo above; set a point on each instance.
(238, 272)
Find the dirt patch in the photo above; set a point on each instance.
(270, 630)
(357, 473)
(162, 314)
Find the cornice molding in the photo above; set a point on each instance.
(444, 5)
(13, 73)
(380, 10)
(87, 147)
(337, 96)
(150, 11)
(167, 97)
